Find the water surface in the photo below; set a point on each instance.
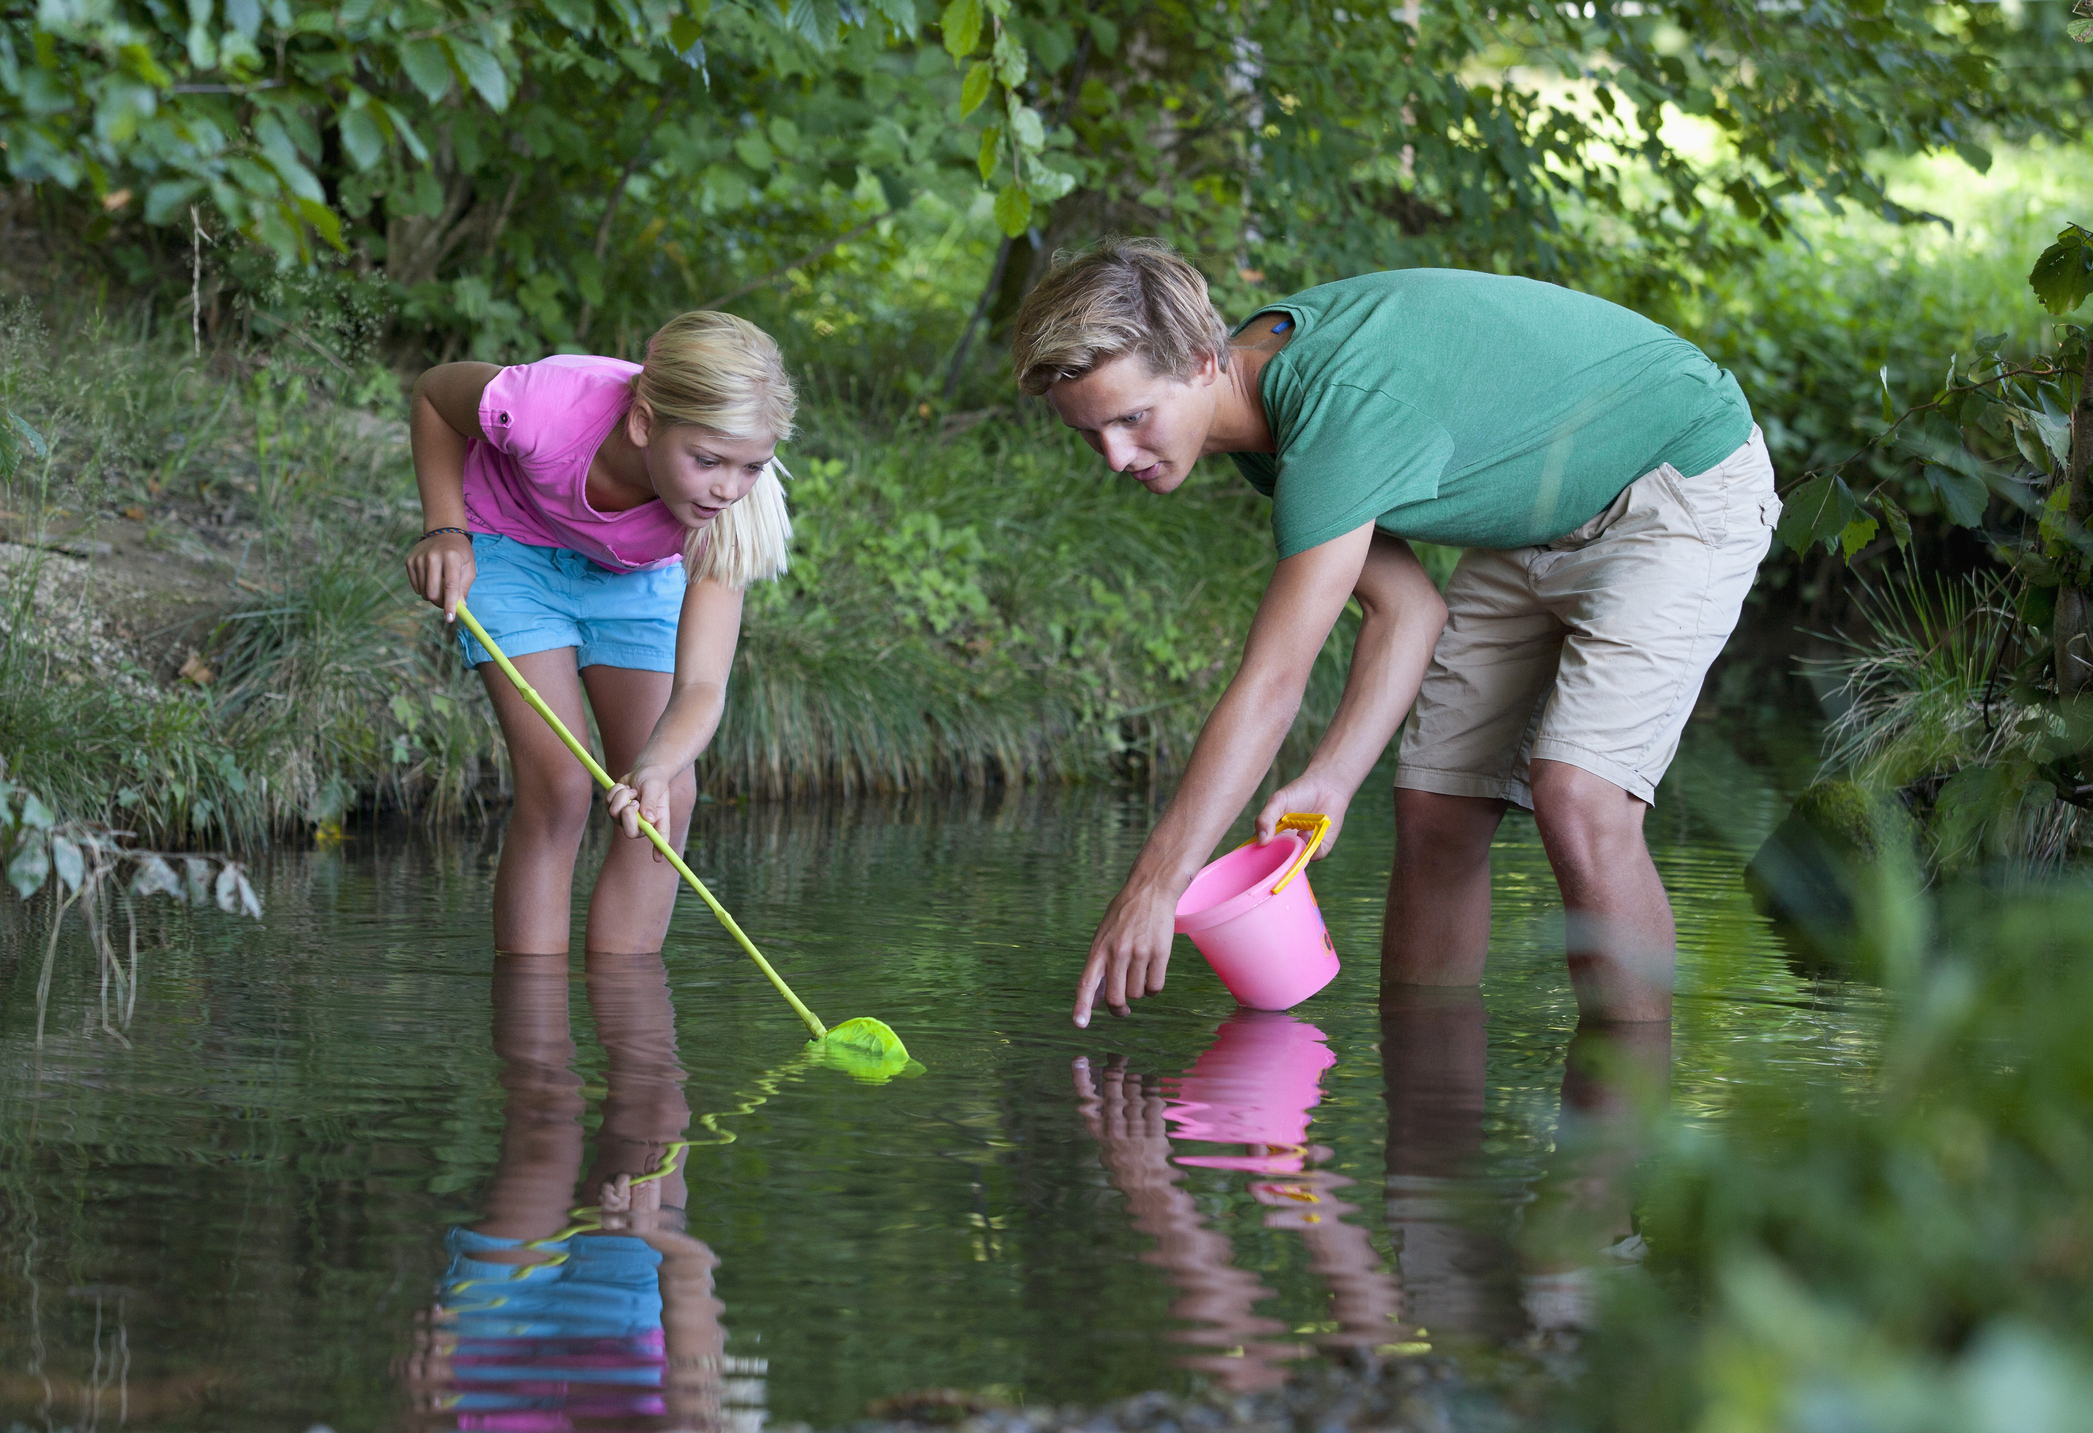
(296, 1193)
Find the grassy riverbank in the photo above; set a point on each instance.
(211, 638)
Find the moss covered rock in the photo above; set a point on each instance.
(1807, 874)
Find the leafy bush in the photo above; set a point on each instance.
(1914, 1260)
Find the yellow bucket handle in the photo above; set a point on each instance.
(1301, 821)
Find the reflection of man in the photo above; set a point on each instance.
(1615, 500)
(1131, 1124)
(550, 1315)
(1464, 1277)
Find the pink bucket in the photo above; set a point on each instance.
(1270, 949)
(1254, 1086)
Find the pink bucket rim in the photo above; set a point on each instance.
(1239, 904)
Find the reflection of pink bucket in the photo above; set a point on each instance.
(1255, 1085)
(1271, 950)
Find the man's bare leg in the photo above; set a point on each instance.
(1621, 942)
(1437, 930)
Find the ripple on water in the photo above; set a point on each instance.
(304, 1188)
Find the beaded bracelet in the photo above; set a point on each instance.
(440, 531)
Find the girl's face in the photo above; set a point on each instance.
(698, 473)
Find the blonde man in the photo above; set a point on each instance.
(1615, 499)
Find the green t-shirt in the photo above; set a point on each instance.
(1476, 410)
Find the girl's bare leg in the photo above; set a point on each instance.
(532, 887)
(636, 890)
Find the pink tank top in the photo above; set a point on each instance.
(529, 479)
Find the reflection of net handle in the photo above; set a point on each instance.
(1309, 821)
(559, 728)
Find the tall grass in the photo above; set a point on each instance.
(1930, 700)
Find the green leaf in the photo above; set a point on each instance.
(1027, 126)
(974, 91)
(1818, 511)
(325, 222)
(1013, 209)
(35, 814)
(426, 68)
(961, 23)
(363, 138)
(1011, 64)
(1882, 375)
(901, 14)
(755, 151)
(406, 133)
(2080, 30)
(30, 868)
(1047, 185)
(483, 71)
(166, 199)
(1899, 522)
(68, 862)
(1856, 535)
(2063, 275)
(991, 141)
(1963, 496)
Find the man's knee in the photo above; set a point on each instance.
(1437, 828)
(1586, 822)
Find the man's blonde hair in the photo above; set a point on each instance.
(1117, 297)
(715, 371)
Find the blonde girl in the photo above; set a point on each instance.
(605, 518)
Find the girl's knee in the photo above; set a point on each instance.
(554, 806)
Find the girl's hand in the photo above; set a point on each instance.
(441, 569)
(644, 795)
(1307, 792)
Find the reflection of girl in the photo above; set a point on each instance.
(553, 1318)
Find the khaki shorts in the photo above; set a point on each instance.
(1591, 650)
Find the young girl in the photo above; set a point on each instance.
(605, 518)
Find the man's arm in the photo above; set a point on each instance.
(1131, 951)
(1402, 614)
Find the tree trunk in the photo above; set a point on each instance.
(2073, 629)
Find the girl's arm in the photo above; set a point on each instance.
(706, 634)
(442, 422)
(1131, 950)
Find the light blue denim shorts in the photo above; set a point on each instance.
(534, 599)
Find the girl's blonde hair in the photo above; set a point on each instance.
(713, 370)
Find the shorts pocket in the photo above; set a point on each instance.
(1688, 506)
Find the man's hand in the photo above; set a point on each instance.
(441, 569)
(1130, 953)
(644, 795)
(1308, 792)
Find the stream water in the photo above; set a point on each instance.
(302, 1189)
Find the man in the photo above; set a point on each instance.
(1615, 499)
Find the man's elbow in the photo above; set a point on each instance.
(1429, 613)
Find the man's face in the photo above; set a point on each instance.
(1152, 429)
